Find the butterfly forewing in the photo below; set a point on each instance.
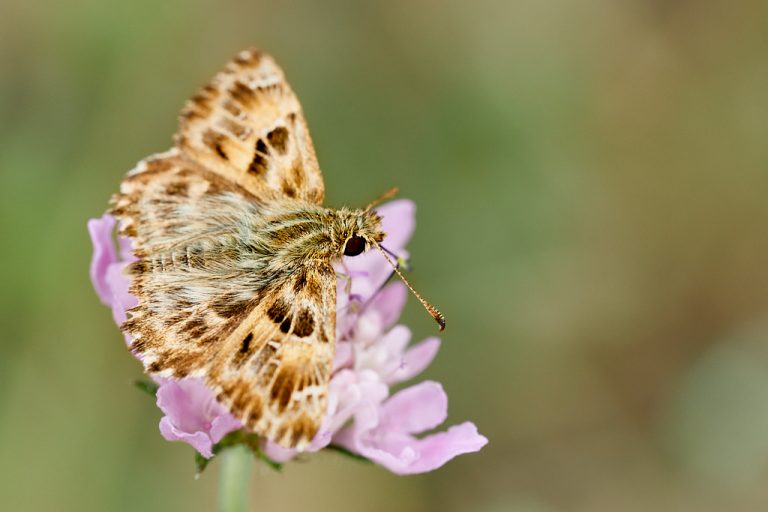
(247, 125)
(216, 300)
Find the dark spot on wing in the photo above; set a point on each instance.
(258, 165)
(288, 189)
(230, 306)
(199, 106)
(245, 350)
(305, 324)
(301, 280)
(193, 324)
(214, 140)
(303, 428)
(241, 400)
(246, 343)
(177, 188)
(181, 363)
(137, 267)
(278, 311)
(282, 388)
(232, 108)
(242, 93)
(139, 345)
(278, 139)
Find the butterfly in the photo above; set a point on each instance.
(234, 273)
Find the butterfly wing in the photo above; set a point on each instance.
(263, 343)
(274, 370)
(247, 126)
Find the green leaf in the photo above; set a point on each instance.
(146, 386)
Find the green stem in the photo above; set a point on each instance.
(236, 462)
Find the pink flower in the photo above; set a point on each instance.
(192, 415)
(372, 353)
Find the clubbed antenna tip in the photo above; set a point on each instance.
(432, 310)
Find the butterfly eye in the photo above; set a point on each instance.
(355, 246)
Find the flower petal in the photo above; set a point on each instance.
(182, 402)
(415, 360)
(428, 454)
(355, 393)
(415, 409)
(389, 303)
(381, 353)
(125, 248)
(192, 414)
(222, 425)
(198, 440)
(104, 255)
(343, 356)
(121, 299)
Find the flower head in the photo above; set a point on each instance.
(372, 354)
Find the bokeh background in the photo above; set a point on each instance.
(591, 180)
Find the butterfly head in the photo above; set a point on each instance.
(357, 231)
(366, 231)
(361, 230)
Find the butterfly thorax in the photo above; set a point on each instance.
(292, 233)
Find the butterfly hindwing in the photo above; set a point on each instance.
(247, 125)
(274, 370)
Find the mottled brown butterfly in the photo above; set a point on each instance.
(234, 274)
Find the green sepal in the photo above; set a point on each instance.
(343, 451)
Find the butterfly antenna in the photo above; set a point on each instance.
(432, 310)
(389, 194)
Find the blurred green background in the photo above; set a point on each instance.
(591, 180)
